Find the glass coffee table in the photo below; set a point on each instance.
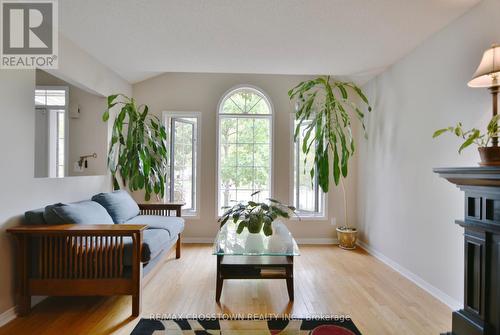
(255, 256)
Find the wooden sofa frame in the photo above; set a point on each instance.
(83, 260)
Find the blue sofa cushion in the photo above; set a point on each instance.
(119, 205)
(85, 212)
(154, 241)
(35, 216)
(172, 224)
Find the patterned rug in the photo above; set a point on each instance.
(245, 327)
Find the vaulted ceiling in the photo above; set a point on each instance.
(355, 38)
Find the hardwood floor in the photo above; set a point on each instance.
(328, 280)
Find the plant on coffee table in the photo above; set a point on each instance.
(256, 216)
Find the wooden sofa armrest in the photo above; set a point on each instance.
(164, 209)
(161, 208)
(78, 229)
(78, 259)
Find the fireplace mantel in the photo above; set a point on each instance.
(481, 223)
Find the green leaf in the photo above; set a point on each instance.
(241, 226)
(267, 229)
(492, 127)
(342, 91)
(105, 116)
(145, 112)
(111, 99)
(439, 132)
(116, 185)
(362, 96)
(336, 168)
(324, 171)
(469, 141)
(223, 222)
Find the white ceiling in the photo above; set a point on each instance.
(356, 38)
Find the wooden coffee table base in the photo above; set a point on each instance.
(254, 267)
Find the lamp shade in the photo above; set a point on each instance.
(488, 71)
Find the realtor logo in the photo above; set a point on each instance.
(29, 34)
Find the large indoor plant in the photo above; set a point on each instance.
(324, 112)
(256, 216)
(138, 149)
(490, 155)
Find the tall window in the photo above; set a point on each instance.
(244, 146)
(182, 175)
(308, 197)
(51, 104)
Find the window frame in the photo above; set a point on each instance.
(191, 213)
(48, 108)
(322, 202)
(221, 116)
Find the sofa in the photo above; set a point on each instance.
(102, 246)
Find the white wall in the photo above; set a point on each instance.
(405, 211)
(202, 92)
(20, 191)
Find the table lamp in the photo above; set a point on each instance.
(488, 75)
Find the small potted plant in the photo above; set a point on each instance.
(256, 216)
(490, 155)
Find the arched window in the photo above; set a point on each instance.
(244, 146)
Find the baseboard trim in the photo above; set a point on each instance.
(210, 240)
(7, 316)
(201, 240)
(317, 241)
(432, 290)
(10, 314)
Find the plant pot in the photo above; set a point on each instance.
(347, 237)
(490, 156)
(254, 243)
(255, 227)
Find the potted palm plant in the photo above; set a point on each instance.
(138, 148)
(324, 112)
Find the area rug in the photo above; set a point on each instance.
(245, 327)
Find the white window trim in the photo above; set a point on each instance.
(304, 216)
(194, 215)
(66, 120)
(217, 139)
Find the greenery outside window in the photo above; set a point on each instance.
(182, 183)
(308, 198)
(244, 147)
